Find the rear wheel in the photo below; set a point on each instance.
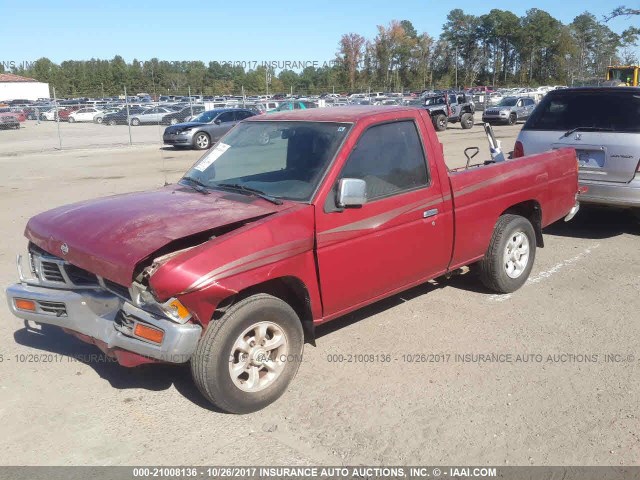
(99, 120)
(201, 141)
(440, 122)
(173, 121)
(466, 121)
(509, 258)
(135, 122)
(112, 122)
(513, 119)
(72, 120)
(245, 360)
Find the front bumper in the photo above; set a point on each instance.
(108, 320)
(495, 118)
(614, 194)
(175, 139)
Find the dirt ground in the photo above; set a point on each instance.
(562, 390)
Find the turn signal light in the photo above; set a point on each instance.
(148, 333)
(22, 304)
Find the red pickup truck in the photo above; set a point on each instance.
(291, 220)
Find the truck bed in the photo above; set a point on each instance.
(482, 193)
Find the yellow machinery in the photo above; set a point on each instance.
(623, 75)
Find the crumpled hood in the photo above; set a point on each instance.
(110, 236)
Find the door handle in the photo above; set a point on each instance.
(430, 213)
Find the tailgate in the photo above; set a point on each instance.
(604, 156)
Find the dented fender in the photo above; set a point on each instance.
(278, 246)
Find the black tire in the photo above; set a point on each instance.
(493, 269)
(201, 141)
(112, 122)
(99, 120)
(513, 119)
(71, 120)
(135, 122)
(173, 121)
(43, 117)
(466, 121)
(440, 122)
(210, 364)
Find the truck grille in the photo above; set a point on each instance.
(116, 288)
(80, 276)
(58, 309)
(50, 271)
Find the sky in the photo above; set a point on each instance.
(250, 30)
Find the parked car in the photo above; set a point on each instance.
(603, 125)
(9, 120)
(206, 129)
(120, 117)
(148, 116)
(66, 112)
(450, 107)
(181, 115)
(50, 114)
(254, 246)
(509, 110)
(18, 113)
(99, 117)
(83, 115)
(293, 105)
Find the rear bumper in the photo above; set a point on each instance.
(614, 194)
(107, 320)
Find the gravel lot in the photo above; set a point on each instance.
(568, 406)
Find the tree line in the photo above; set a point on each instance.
(497, 48)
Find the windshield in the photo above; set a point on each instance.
(434, 101)
(621, 74)
(206, 117)
(508, 102)
(281, 159)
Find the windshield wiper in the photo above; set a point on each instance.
(197, 185)
(590, 129)
(251, 191)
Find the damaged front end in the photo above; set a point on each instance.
(127, 323)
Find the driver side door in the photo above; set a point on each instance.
(401, 235)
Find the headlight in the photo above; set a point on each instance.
(175, 310)
(184, 132)
(172, 308)
(502, 112)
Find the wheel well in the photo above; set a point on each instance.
(532, 211)
(288, 289)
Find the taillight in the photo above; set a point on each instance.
(638, 169)
(518, 149)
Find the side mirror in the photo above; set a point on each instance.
(352, 192)
(217, 121)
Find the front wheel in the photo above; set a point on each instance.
(513, 119)
(246, 359)
(509, 259)
(173, 121)
(201, 141)
(135, 122)
(440, 122)
(99, 120)
(72, 120)
(466, 121)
